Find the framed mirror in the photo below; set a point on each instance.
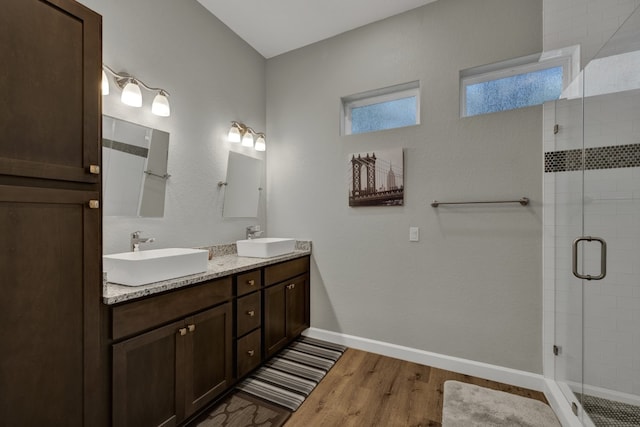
(134, 169)
(242, 192)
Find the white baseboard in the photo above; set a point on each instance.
(441, 361)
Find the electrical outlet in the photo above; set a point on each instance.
(414, 234)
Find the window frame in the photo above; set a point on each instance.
(378, 96)
(514, 67)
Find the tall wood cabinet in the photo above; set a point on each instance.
(50, 219)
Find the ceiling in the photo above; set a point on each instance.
(273, 27)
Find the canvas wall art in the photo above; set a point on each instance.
(376, 178)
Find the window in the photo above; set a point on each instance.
(388, 108)
(508, 85)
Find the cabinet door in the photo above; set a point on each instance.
(286, 313)
(208, 355)
(297, 291)
(275, 319)
(50, 254)
(146, 378)
(50, 86)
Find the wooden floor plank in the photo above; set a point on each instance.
(366, 389)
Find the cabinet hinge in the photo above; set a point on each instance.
(556, 128)
(556, 350)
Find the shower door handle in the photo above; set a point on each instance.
(603, 258)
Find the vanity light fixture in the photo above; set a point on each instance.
(260, 142)
(105, 83)
(236, 131)
(131, 94)
(160, 106)
(239, 132)
(247, 138)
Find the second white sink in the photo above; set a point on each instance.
(265, 247)
(144, 267)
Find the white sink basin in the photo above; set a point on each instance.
(144, 267)
(266, 247)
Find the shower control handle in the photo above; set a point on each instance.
(603, 258)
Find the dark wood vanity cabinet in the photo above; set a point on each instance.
(286, 303)
(50, 217)
(175, 353)
(163, 376)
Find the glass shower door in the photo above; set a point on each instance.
(611, 210)
(594, 171)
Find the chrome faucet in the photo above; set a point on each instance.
(253, 231)
(136, 240)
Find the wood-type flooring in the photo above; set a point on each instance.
(368, 390)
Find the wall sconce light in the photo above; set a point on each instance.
(261, 144)
(131, 94)
(239, 132)
(236, 131)
(247, 138)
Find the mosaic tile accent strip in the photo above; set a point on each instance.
(608, 413)
(126, 148)
(611, 157)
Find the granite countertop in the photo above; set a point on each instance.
(223, 261)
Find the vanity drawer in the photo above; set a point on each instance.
(248, 353)
(248, 282)
(248, 314)
(138, 316)
(285, 270)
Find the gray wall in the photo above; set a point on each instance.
(589, 23)
(213, 77)
(471, 287)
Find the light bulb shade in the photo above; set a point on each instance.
(105, 83)
(260, 143)
(160, 106)
(247, 139)
(234, 134)
(131, 94)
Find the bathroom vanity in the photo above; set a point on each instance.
(179, 345)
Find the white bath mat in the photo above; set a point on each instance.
(468, 405)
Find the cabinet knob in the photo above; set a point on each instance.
(251, 353)
(251, 313)
(94, 204)
(191, 328)
(291, 286)
(94, 169)
(183, 331)
(251, 282)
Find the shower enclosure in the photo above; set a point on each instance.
(592, 236)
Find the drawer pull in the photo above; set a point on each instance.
(94, 204)
(251, 353)
(183, 331)
(291, 286)
(251, 282)
(94, 169)
(251, 313)
(191, 328)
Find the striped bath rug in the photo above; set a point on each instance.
(291, 375)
